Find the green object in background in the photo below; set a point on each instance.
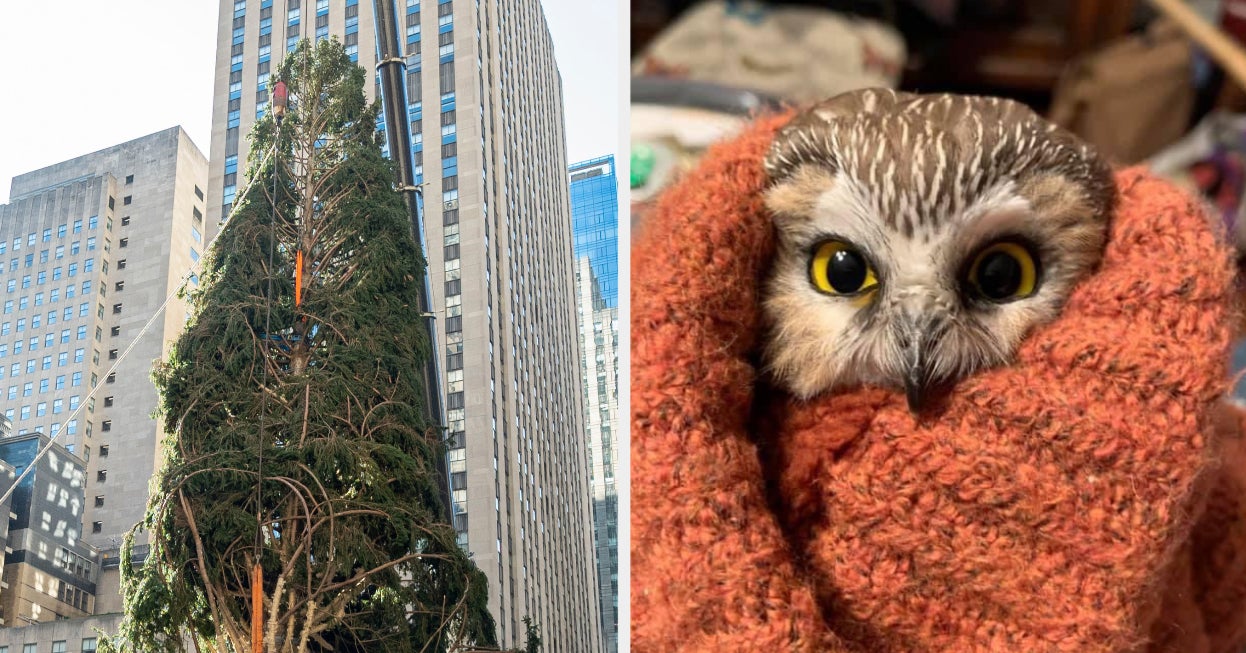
(643, 160)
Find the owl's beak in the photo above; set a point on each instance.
(919, 335)
(914, 391)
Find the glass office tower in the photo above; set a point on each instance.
(595, 214)
(595, 220)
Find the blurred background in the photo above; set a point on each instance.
(1157, 82)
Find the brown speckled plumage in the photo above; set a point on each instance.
(928, 156)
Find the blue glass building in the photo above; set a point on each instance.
(595, 221)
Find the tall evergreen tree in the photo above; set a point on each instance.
(343, 513)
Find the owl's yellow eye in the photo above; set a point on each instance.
(1003, 272)
(840, 269)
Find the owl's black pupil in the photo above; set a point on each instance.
(999, 275)
(846, 271)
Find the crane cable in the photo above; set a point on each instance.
(257, 570)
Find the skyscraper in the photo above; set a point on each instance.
(500, 265)
(595, 220)
(594, 214)
(90, 249)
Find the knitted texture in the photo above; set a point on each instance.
(1077, 500)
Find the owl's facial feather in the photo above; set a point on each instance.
(921, 221)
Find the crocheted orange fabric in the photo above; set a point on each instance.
(1077, 500)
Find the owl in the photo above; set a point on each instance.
(921, 237)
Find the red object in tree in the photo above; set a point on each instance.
(279, 99)
(1233, 19)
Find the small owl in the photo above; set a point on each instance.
(921, 237)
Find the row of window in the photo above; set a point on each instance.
(55, 293)
(7, 327)
(71, 427)
(88, 646)
(454, 375)
(58, 273)
(61, 231)
(73, 596)
(74, 248)
(23, 302)
(57, 382)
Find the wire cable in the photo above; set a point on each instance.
(268, 317)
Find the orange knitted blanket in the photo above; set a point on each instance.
(1077, 500)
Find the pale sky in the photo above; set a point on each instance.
(80, 75)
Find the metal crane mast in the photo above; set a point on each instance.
(392, 69)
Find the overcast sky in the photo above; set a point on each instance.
(80, 75)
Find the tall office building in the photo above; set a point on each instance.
(485, 109)
(595, 221)
(90, 249)
(595, 216)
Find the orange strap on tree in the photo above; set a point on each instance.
(257, 609)
(298, 278)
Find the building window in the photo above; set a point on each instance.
(96, 527)
(116, 309)
(101, 476)
(125, 242)
(121, 264)
(103, 451)
(99, 501)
